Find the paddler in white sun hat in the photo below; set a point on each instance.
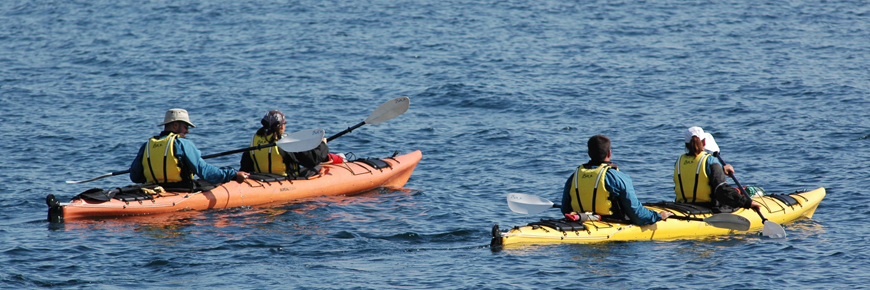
(170, 159)
(700, 178)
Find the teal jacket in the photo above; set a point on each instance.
(621, 189)
(191, 157)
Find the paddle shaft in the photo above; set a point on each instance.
(339, 134)
(384, 112)
(740, 188)
(685, 218)
(526, 204)
(203, 157)
(238, 150)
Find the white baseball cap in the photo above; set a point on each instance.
(695, 131)
(173, 115)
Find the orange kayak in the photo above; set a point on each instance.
(333, 179)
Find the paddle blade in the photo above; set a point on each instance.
(389, 110)
(728, 221)
(301, 141)
(773, 230)
(710, 143)
(527, 203)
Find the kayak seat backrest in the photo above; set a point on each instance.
(199, 185)
(685, 208)
(267, 177)
(784, 198)
(560, 225)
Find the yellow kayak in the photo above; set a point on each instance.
(778, 208)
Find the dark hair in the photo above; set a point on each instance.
(695, 146)
(599, 146)
(271, 122)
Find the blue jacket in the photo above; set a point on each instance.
(192, 159)
(617, 183)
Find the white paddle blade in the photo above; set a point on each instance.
(527, 203)
(773, 230)
(710, 143)
(728, 221)
(301, 141)
(389, 110)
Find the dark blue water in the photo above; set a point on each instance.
(504, 95)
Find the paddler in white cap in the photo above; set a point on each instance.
(700, 178)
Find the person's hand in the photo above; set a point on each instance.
(241, 176)
(665, 214)
(729, 170)
(755, 205)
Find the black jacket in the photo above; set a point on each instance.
(724, 194)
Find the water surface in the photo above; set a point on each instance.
(504, 95)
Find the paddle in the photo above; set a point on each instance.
(771, 229)
(532, 204)
(384, 112)
(299, 141)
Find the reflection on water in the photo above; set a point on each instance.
(804, 228)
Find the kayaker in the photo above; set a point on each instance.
(170, 159)
(277, 161)
(700, 178)
(602, 189)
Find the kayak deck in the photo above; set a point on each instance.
(334, 179)
(777, 208)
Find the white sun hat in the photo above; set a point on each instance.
(173, 115)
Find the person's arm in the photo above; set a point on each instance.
(621, 185)
(566, 196)
(716, 175)
(188, 153)
(723, 192)
(137, 174)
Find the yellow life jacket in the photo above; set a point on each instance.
(160, 163)
(690, 179)
(590, 194)
(267, 160)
